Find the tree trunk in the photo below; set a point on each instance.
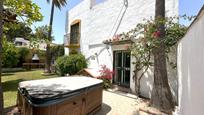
(137, 88)
(1, 37)
(161, 97)
(137, 83)
(48, 54)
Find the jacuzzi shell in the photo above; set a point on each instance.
(60, 96)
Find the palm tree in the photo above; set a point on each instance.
(1, 37)
(58, 4)
(161, 97)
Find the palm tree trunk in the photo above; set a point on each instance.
(161, 97)
(1, 37)
(48, 54)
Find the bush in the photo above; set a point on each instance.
(41, 53)
(22, 53)
(57, 51)
(106, 75)
(10, 57)
(70, 64)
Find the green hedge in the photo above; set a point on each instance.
(70, 64)
(22, 54)
(57, 51)
(10, 54)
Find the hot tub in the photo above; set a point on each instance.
(60, 96)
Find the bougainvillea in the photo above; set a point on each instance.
(105, 75)
(145, 35)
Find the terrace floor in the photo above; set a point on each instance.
(119, 103)
(114, 101)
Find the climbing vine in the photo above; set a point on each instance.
(145, 36)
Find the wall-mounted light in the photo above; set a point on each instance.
(126, 3)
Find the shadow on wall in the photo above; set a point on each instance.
(96, 54)
(172, 73)
(106, 48)
(120, 17)
(146, 83)
(148, 80)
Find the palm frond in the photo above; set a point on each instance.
(59, 3)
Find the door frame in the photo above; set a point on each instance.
(114, 68)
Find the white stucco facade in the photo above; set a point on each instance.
(191, 68)
(102, 21)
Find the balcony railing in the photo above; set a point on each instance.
(70, 43)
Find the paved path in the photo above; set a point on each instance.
(118, 103)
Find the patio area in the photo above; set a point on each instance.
(119, 103)
(115, 103)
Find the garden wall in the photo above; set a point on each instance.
(191, 69)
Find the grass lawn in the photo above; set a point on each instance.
(11, 80)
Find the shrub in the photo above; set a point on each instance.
(106, 75)
(73, 51)
(70, 64)
(60, 65)
(10, 57)
(22, 52)
(41, 53)
(56, 51)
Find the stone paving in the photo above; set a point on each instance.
(115, 103)
(118, 103)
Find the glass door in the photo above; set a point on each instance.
(122, 68)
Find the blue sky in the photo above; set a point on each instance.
(189, 7)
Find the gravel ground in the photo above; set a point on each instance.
(118, 103)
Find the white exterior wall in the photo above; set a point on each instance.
(191, 69)
(101, 22)
(148, 78)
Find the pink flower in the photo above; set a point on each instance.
(105, 73)
(127, 47)
(116, 38)
(156, 34)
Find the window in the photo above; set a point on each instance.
(18, 43)
(74, 38)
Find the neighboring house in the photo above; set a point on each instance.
(92, 22)
(21, 42)
(191, 68)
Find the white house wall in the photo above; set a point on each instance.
(191, 69)
(105, 19)
(147, 80)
